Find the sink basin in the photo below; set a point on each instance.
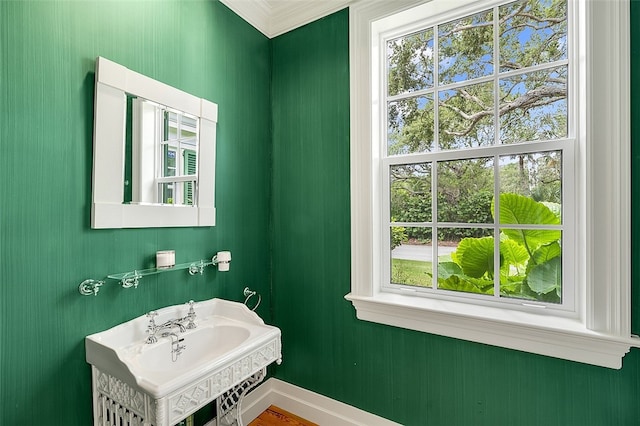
(229, 344)
(201, 346)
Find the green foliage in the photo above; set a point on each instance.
(545, 278)
(474, 207)
(450, 277)
(411, 197)
(530, 259)
(475, 257)
(516, 209)
(532, 105)
(535, 175)
(398, 235)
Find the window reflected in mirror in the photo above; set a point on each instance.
(161, 151)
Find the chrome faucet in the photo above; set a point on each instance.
(176, 347)
(184, 323)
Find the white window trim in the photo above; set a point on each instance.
(601, 335)
(147, 139)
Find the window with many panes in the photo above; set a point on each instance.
(489, 172)
(177, 157)
(479, 132)
(164, 155)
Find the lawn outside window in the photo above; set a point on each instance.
(491, 202)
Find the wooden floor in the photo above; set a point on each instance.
(276, 416)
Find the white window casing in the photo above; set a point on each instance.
(600, 331)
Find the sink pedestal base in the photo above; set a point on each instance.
(116, 402)
(112, 412)
(228, 405)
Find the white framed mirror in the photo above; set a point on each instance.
(153, 153)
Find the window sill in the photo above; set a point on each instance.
(563, 338)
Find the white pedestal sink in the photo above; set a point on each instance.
(140, 383)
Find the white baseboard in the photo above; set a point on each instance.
(306, 404)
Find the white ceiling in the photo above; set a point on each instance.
(275, 17)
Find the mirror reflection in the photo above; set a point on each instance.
(161, 158)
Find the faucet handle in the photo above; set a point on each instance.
(191, 315)
(152, 318)
(151, 327)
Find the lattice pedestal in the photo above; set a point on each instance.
(229, 404)
(117, 403)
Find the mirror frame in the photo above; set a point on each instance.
(113, 82)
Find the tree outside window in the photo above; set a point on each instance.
(478, 130)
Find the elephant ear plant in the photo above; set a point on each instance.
(530, 259)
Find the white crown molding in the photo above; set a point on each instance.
(255, 12)
(275, 17)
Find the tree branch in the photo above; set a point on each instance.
(540, 96)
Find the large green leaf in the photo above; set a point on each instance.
(475, 256)
(509, 288)
(513, 254)
(544, 254)
(519, 210)
(446, 269)
(546, 277)
(466, 284)
(533, 238)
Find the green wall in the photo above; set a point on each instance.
(47, 62)
(282, 187)
(410, 377)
